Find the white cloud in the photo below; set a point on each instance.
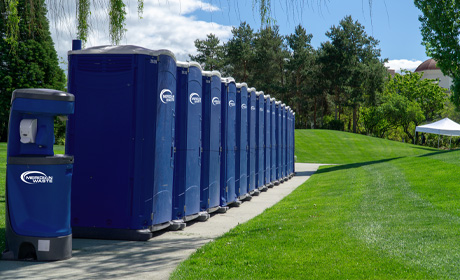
(398, 64)
(166, 24)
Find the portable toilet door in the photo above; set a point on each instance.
(186, 190)
(227, 174)
(267, 141)
(241, 160)
(273, 141)
(278, 141)
(284, 141)
(293, 143)
(289, 135)
(260, 133)
(252, 189)
(211, 141)
(125, 96)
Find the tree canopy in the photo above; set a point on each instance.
(440, 32)
(33, 63)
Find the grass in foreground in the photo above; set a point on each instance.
(392, 213)
(57, 150)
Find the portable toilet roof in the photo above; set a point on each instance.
(123, 49)
(240, 85)
(258, 93)
(195, 64)
(272, 99)
(183, 64)
(267, 96)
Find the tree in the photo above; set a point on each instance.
(240, 51)
(406, 102)
(440, 32)
(33, 63)
(269, 63)
(210, 53)
(354, 61)
(300, 67)
(426, 92)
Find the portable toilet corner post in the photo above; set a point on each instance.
(267, 141)
(252, 104)
(187, 162)
(241, 158)
(260, 133)
(278, 142)
(211, 140)
(125, 97)
(38, 183)
(228, 127)
(272, 141)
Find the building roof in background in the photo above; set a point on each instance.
(429, 64)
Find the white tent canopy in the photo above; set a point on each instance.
(443, 127)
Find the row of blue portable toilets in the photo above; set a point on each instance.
(158, 143)
(155, 143)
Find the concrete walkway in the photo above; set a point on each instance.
(153, 259)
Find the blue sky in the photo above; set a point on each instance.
(175, 24)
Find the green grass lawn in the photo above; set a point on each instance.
(389, 211)
(57, 150)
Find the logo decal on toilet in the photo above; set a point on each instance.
(166, 96)
(216, 101)
(194, 98)
(36, 177)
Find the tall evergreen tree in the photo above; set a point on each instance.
(301, 67)
(240, 52)
(32, 63)
(210, 53)
(354, 59)
(269, 63)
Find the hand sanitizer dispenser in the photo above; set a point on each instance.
(38, 182)
(28, 130)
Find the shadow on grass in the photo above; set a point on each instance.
(353, 165)
(305, 173)
(438, 153)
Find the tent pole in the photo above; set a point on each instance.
(450, 142)
(438, 141)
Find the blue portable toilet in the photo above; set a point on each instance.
(260, 149)
(284, 141)
(252, 104)
(267, 141)
(288, 146)
(228, 131)
(279, 144)
(187, 161)
(241, 159)
(291, 148)
(212, 147)
(293, 144)
(273, 141)
(38, 183)
(125, 99)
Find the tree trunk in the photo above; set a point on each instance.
(314, 113)
(355, 116)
